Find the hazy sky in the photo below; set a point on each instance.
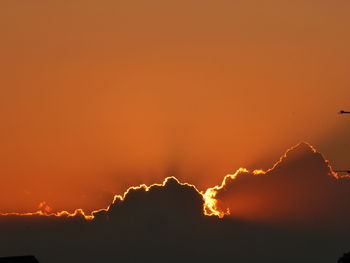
(96, 96)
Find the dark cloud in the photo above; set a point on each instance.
(171, 200)
(300, 189)
(165, 223)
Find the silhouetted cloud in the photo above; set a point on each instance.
(166, 222)
(300, 189)
(171, 200)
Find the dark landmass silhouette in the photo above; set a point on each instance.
(295, 212)
(19, 259)
(345, 258)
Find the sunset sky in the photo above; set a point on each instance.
(96, 96)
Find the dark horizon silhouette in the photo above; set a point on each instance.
(19, 259)
(166, 223)
(160, 131)
(345, 258)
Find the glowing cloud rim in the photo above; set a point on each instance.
(210, 207)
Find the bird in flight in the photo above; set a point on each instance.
(344, 112)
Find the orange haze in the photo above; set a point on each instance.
(96, 96)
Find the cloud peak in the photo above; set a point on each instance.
(300, 163)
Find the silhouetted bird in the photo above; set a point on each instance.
(344, 112)
(345, 258)
(22, 259)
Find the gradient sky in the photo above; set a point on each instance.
(96, 96)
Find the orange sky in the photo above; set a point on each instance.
(96, 96)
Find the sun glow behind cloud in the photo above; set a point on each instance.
(117, 92)
(210, 201)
